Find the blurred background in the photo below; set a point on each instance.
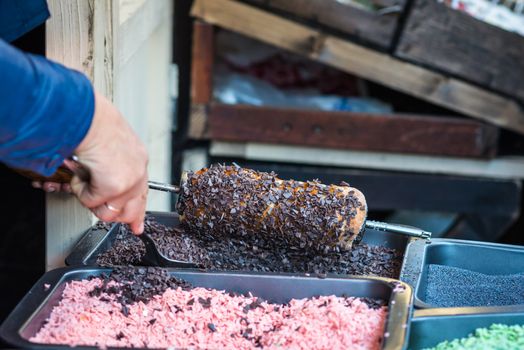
(418, 103)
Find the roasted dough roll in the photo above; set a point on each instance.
(223, 201)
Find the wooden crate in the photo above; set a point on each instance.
(458, 44)
(415, 134)
(412, 79)
(376, 28)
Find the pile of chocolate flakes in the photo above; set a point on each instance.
(250, 254)
(137, 284)
(134, 284)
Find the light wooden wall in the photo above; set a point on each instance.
(141, 86)
(124, 47)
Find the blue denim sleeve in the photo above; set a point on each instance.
(46, 110)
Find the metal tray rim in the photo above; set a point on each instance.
(464, 311)
(416, 250)
(471, 315)
(399, 312)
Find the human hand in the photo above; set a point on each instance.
(51, 187)
(116, 160)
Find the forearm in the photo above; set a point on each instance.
(45, 112)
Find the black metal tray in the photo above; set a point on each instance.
(432, 326)
(487, 258)
(96, 241)
(29, 315)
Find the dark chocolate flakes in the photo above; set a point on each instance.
(212, 327)
(239, 254)
(206, 303)
(137, 284)
(175, 244)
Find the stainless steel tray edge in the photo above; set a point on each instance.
(30, 313)
(432, 326)
(415, 259)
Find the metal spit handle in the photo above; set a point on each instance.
(397, 228)
(159, 186)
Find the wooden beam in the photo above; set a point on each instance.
(69, 35)
(510, 167)
(363, 24)
(202, 63)
(201, 77)
(448, 92)
(358, 131)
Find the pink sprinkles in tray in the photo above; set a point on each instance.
(210, 319)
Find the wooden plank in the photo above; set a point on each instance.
(128, 9)
(363, 24)
(142, 49)
(358, 131)
(456, 43)
(448, 92)
(102, 24)
(202, 63)
(69, 40)
(510, 167)
(136, 21)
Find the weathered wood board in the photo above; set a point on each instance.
(445, 136)
(508, 167)
(369, 26)
(69, 41)
(456, 43)
(202, 63)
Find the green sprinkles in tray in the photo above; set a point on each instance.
(496, 337)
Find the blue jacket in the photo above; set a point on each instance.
(46, 109)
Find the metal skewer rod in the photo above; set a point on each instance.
(163, 187)
(396, 228)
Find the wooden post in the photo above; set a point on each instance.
(202, 63)
(69, 41)
(201, 77)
